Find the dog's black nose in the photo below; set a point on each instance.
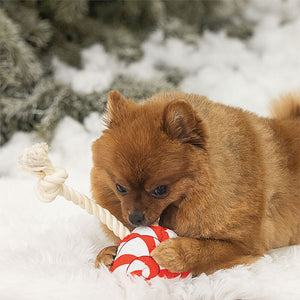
(137, 219)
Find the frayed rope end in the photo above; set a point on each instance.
(35, 160)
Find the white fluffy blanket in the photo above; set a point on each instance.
(47, 251)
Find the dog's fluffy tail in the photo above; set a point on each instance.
(286, 107)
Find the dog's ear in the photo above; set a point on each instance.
(180, 121)
(115, 108)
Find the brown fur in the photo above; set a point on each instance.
(286, 107)
(233, 177)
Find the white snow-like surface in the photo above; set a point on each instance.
(47, 251)
(97, 74)
(227, 70)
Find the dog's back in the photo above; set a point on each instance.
(256, 166)
(282, 160)
(266, 153)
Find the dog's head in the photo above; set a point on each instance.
(151, 154)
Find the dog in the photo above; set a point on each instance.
(225, 180)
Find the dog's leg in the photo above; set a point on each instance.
(107, 255)
(201, 256)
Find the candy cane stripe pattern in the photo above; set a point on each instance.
(133, 256)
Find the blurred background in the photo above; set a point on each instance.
(61, 57)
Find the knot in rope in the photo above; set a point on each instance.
(35, 161)
(49, 187)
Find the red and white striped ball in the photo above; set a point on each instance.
(133, 256)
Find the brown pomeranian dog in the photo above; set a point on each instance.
(225, 180)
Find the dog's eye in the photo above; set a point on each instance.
(121, 189)
(160, 191)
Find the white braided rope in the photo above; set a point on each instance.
(35, 161)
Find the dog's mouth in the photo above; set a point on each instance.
(152, 223)
(156, 222)
(144, 223)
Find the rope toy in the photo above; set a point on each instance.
(133, 256)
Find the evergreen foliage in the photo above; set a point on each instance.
(32, 32)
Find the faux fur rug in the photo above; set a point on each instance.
(47, 251)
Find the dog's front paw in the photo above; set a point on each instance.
(106, 256)
(170, 255)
